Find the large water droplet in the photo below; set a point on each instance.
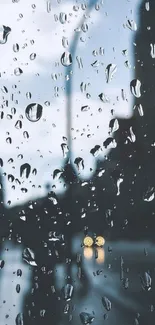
(66, 59)
(146, 281)
(96, 150)
(110, 71)
(62, 17)
(65, 149)
(19, 319)
(4, 32)
(79, 162)
(29, 256)
(135, 86)
(33, 112)
(113, 125)
(106, 303)
(67, 292)
(86, 318)
(25, 170)
(131, 24)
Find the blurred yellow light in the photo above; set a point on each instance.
(101, 255)
(100, 241)
(88, 252)
(88, 241)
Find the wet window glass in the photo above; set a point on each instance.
(77, 162)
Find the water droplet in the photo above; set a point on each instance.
(104, 98)
(65, 42)
(29, 256)
(152, 52)
(118, 183)
(20, 319)
(48, 6)
(146, 281)
(65, 149)
(95, 64)
(18, 288)
(85, 108)
(10, 178)
(28, 95)
(32, 56)
(106, 303)
(4, 32)
(2, 263)
(113, 125)
(84, 27)
(1, 162)
(147, 6)
(79, 61)
(110, 143)
(15, 47)
(96, 150)
(110, 71)
(79, 162)
(149, 195)
(86, 318)
(67, 292)
(125, 282)
(4, 90)
(131, 24)
(33, 112)
(131, 136)
(25, 135)
(25, 170)
(135, 86)
(18, 124)
(57, 173)
(63, 18)
(18, 71)
(66, 59)
(52, 198)
(19, 272)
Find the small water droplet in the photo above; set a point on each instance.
(67, 292)
(18, 288)
(20, 319)
(63, 18)
(25, 170)
(48, 6)
(149, 195)
(146, 281)
(79, 162)
(16, 47)
(32, 56)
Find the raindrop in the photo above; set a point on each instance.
(19, 272)
(125, 282)
(149, 195)
(106, 303)
(18, 288)
(83, 87)
(131, 24)
(4, 90)
(52, 198)
(132, 136)
(9, 140)
(19, 319)
(85, 108)
(18, 124)
(110, 143)
(113, 125)
(146, 281)
(96, 150)
(48, 6)
(57, 173)
(84, 27)
(25, 135)
(18, 71)
(1, 162)
(63, 18)
(10, 178)
(2, 263)
(15, 47)
(33, 112)
(152, 52)
(104, 98)
(135, 86)
(67, 292)
(79, 61)
(29, 256)
(66, 59)
(65, 149)
(147, 6)
(79, 162)
(118, 183)
(25, 170)
(28, 95)
(65, 42)
(95, 64)
(4, 32)
(101, 51)
(32, 56)
(86, 318)
(110, 71)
